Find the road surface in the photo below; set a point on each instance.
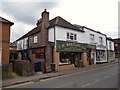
(102, 77)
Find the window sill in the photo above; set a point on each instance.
(62, 64)
(71, 40)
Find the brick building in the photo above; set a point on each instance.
(60, 42)
(4, 40)
(34, 45)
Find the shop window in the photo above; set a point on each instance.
(69, 57)
(100, 55)
(64, 58)
(71, 36)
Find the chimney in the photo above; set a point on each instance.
(45, 19)
(39, 22)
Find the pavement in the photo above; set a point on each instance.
(40, 76)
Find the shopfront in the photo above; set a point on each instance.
(68, 53)
(101, 54)
(91, 49)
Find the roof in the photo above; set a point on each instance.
(93, 30)
(109, 38)
(5, 21)
(116, 39)
(32, 32)
(57, 21)
(13, 44)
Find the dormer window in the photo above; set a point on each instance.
(71, 36)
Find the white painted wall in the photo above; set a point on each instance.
(20, 45)
(25, 43)
(96, 38)
(51, 34)
(112, 45)
(61, 34)
(82, 37)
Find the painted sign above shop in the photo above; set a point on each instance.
(91, 46)
(70, 46)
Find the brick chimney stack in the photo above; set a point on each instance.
(45, 19)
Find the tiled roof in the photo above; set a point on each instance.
(32, 32)
(5, 21)
(13, 44)
(57, 21)
(94, 30)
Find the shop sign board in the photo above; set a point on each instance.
(91, 46)
(48, 67)
(70, 46)
(40, 52)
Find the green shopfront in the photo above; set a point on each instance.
(72, 52)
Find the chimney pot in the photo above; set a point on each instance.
(45, 10)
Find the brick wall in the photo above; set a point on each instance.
(5, 43)
(43, 37)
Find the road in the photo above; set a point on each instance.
(102, 77)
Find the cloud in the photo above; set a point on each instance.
(27, 12)
(113, 32)
(24, 15)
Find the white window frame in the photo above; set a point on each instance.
(110, 45)
(35, 39)
(71, 36)
(100, 40)
(92, 38)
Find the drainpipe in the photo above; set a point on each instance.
(106, 49)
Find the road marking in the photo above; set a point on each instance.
(97, 80)
(107, 76)
(52, 78)
(75, 73)
(86, 85)
(18, 85)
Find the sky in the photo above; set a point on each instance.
(99, 15)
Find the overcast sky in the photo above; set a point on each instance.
(99, 15)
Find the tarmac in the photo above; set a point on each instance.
(40, 76)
